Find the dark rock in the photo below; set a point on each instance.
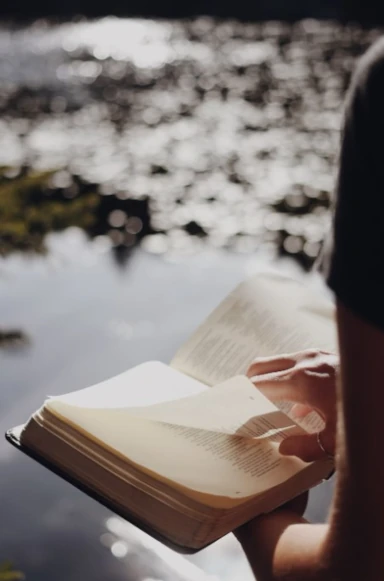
(194, 229)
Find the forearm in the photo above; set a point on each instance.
(280, 546)
(283, 547)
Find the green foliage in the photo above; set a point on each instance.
(8, 573)
(30, 207)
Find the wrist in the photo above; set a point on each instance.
(282, 545)
(254, 530)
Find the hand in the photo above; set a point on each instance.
(308, 379)
(297, 505)
(247, 533)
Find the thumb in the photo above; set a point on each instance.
(306, 447)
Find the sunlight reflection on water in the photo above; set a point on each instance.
(144, 43)
(222, 126)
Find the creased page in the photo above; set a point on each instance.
(234, 407)
(266, 315)
(148, 383)
(221, 442)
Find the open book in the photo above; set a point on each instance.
(189, 451)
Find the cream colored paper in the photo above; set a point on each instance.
(266, 315)
(145, 384)
(222, 441)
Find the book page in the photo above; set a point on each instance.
(266, 315)
(234, 407)
(221, 442)
(145, 384)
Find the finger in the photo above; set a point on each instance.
(308, 448)
(300, 410)
(263, 365)
(295, 386)
(309, 354)
(298, 504)
(305, 447)
(282, 387)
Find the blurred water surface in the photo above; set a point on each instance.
(85, 321)
(186, 132)
(212, 146)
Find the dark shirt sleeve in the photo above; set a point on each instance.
(355, 269)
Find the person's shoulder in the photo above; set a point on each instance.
(369, 73)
